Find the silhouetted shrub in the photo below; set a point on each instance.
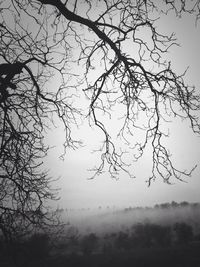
(160, 235)
(89, 243)
(73, 236)
(141, 235)
(2, 245)
(38, 246)
(183, 232)
(149, 235)
(123, 241)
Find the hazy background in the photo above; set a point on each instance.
(76, 191)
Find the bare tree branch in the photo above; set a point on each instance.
(111, 55)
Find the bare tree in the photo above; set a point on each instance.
(53, 53)
(24, 186)
(149, 93)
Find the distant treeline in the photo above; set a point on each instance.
(165, 205)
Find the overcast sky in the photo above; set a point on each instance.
(76, 191)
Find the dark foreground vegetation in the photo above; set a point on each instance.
(143, 244)
(172, 257)
(36, 252)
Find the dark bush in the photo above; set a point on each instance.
(183, 232)
(149, 235)
(38, 246)
(123, 241)
(89, 243)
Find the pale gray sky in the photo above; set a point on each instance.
(77, 191)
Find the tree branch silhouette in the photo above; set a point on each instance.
(111, 55)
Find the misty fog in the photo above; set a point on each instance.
(111, 219)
